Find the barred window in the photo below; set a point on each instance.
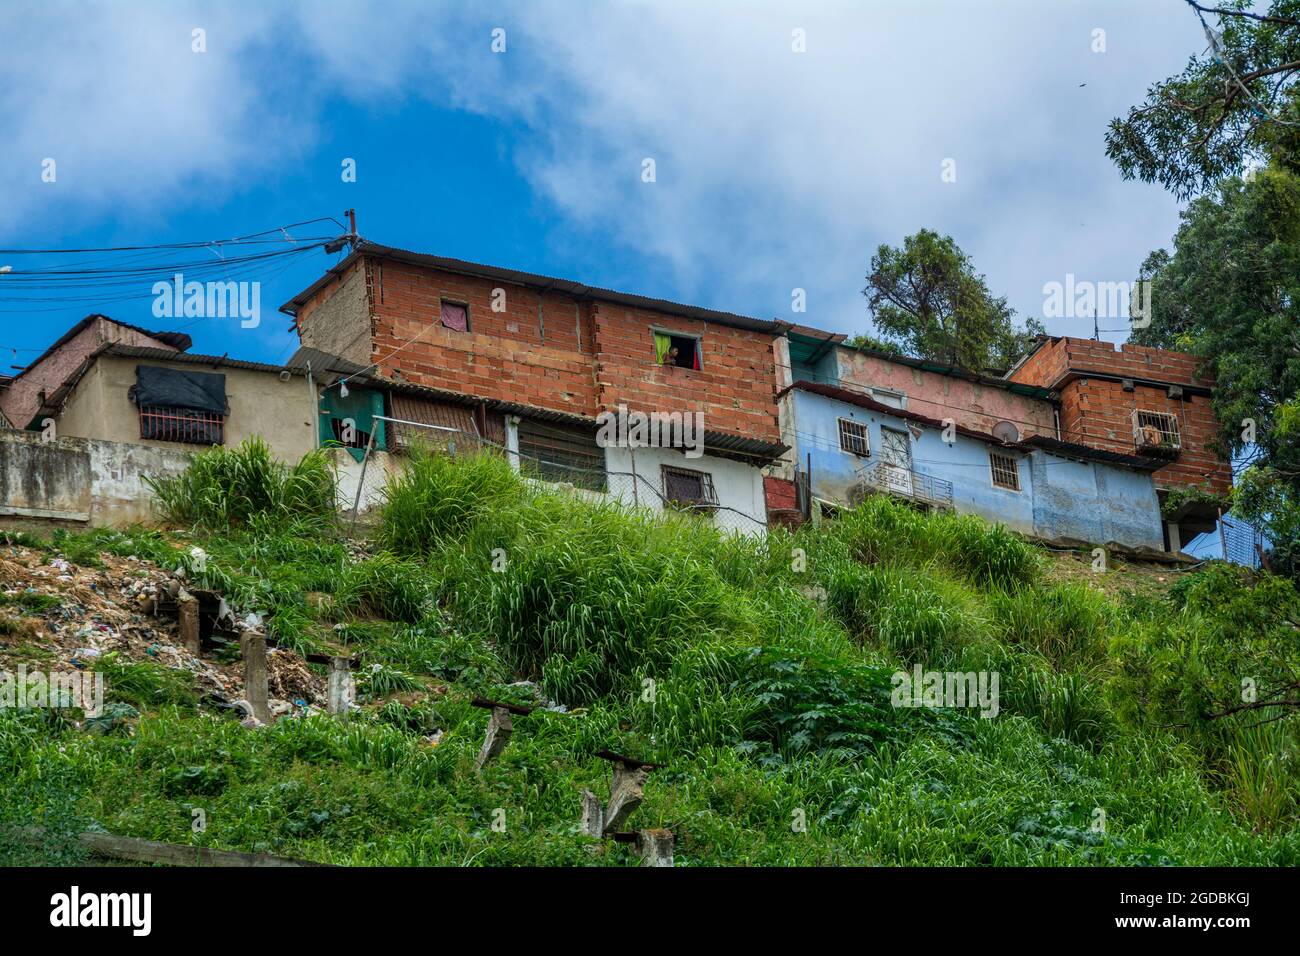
(682, 486)
(1156, 430)
(1005, 470)
(185, 425)
(854, 437)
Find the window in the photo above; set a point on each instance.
(887, 396)
(687, 488)
(1006, 471)
(180, 405)
(352, 437)
(854, 437)
(561, 454)
(455, 316)
(1156, 431)
(185, 425)
(680, 350)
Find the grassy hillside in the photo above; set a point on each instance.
(758, 671)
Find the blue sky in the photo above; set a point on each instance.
(775, 169)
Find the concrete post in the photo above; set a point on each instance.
(655, 847)
(593, 815)
(252, 645)
(498, 735)
(341, 691)
(625, 795)
(187, 614)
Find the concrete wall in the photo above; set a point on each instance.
(45, 480)
(1094, 502)
(739, 486)
(22, 399)
(975, 405)
(340, 316)
(281, 412)
(78, 481)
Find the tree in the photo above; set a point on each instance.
(927, 300)
(1230, 293)
(1234, 103)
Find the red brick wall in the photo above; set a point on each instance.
(735, 386)
(555, 352)
(512, 355)
(1051, 362)
(1098, 412)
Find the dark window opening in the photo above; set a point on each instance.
(455, 316)
(560, 454)
(682, 351)
(185, 425)
(348, 437)
(690, 489)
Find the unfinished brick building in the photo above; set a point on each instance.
(1138, 400)
(536, 359)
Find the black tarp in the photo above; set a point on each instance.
(182, 406)
(174, 388)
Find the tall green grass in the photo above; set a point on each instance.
(758, 670)
(225, 487)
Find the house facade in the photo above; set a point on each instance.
(105, 412)
(853, 445)
(540, 362)
(1138, 400)
(1074, 409)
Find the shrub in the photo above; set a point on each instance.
(436, 497)
(225, 487)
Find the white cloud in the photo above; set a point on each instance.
(775, 169)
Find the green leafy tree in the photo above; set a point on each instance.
(927, 300)
(1234, 102)
(1230, 293)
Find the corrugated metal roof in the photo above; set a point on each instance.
(190, 358)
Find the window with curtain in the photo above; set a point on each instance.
(682, 351)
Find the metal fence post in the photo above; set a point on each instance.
(361, 482)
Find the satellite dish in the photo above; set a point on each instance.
(1006, 432)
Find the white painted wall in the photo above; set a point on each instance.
(739, 486)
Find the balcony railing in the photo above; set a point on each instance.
(905, 483)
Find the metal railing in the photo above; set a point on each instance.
(905, 483)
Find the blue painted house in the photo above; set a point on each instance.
(851, 445)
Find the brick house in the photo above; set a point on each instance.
(1146, 411)
(1138, 400)
(537, 359)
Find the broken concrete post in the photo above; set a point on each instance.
(499, 730)
(187, 613)
(655, 847)
(252, 644)
(342, 688)
(625, 794)
(593, 815)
